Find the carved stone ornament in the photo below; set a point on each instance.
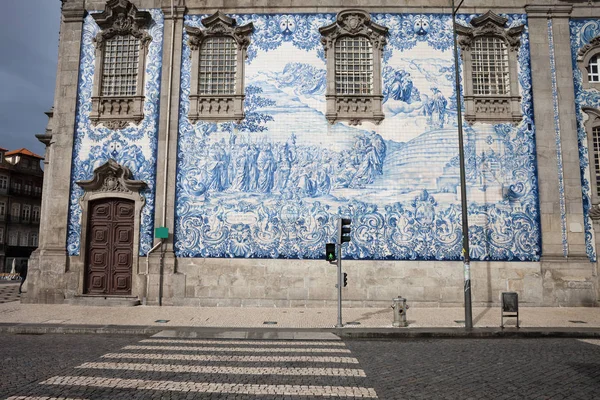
(595, 42)
(489, 24)
(352, 23)
(111, 177)
(218, 25)
(121, 17)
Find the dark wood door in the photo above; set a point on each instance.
(109, 247)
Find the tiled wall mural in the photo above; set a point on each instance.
(274, 185)
(582, 31)
(133, 147)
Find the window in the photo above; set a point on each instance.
(353, 48)
(217, 66)
(25, 163)
(12, 239)
(35, 214)
(218, 52)
(3, 182)
(120, 67)
(37, 190)
(594, 69)
(27, 188)
(16, 185)
(353, 66)
(15, 211)
(489, 61)
(121, 48)
(33, 241)
(489, 52)
(592, 128)
(1, 235)
(26, 213)
(2, 208)
(23, 242)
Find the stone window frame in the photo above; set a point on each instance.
(222, 107)
(491, 109)
(120, 18)
(583, 60)
(110, 180)
(354, 108)
(593, 121)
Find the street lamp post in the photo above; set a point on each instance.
(463, 187)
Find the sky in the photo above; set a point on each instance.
(28, 57)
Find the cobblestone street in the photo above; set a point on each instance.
(134, 367)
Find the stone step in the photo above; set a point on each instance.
(106, 301)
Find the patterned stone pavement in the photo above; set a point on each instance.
(127, 367)
(9, 291)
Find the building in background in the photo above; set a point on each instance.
(248, 129)
(21, 180)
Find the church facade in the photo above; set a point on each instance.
(244, 132)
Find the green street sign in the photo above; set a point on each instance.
(161, 233)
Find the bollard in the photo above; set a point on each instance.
(399, 305)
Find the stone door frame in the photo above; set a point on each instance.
(111, 181)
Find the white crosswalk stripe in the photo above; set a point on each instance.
(209, 387)
(289, 343)
(237, 349)
(207, 357)
(185, 365)
(225, 370)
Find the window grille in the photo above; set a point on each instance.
(217, 66)
(490, 67)
(121, 58)
(353, 66)
(594, 69)
(596, 144)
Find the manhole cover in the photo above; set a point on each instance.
(270, 323)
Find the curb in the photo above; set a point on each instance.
(287, 333)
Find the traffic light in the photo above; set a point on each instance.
(344, 230)
(330, 252)
(345, 279)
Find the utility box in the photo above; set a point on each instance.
(161, 233)
(400, 307)
(510, 307)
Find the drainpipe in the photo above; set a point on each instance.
(145, 299)
(166, 168)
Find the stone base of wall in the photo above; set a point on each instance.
(311, 283)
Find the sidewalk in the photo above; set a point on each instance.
(359, 322)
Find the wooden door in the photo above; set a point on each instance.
(110, 247)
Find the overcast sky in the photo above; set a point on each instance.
(28, 54)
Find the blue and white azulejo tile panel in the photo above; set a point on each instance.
(133, 146)
(582, 32)
(274, 185)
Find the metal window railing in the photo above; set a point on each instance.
(353, 66)
(490, 71)
(120, 69)
(218, 58)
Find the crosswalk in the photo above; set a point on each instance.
(214, 369)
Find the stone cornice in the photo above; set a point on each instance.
(548, 11)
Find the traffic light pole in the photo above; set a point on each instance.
(339, 285)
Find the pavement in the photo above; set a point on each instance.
(243, 322)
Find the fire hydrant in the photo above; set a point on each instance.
(399, 305)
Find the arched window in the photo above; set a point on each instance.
(353, 66)
(354, 49)
(489, 52)
(593, 69)
(218, 53)
(121, 48)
